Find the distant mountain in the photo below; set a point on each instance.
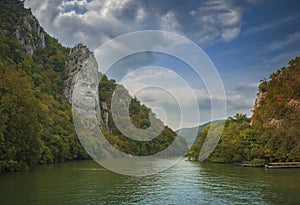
(189, 134)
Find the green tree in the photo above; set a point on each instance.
(22, 128)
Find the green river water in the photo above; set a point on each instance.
(85, 182)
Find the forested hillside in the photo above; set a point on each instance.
(139, 116)
(273, 133)
(36, 125)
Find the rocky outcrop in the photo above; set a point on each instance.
(30, 35)
(256, 106)
(269, 123)
(278, 103)
(83, 73)
(295, 104)
(81, 61)
(273, 123)
(104, 108)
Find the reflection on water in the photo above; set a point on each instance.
(86, 182)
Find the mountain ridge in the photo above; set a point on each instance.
(36, 125)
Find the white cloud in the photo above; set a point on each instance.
(280, 60)
(272, 24)
(168, 22)
(150, 73)
(290, 39)
(90, 22)
(141, 14)
(162, 88)
(94, 22)
(240, 99)
(192, 12)
(183, 105)
(218, 20)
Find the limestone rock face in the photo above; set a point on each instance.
(295, 104)
(278, 103)
(81, 65)
(273, 123)
(81, 86)
(90, 116)
(256, 105)
(270, 122)
(30, 35)
(104, 108)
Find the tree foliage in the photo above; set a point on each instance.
(36, 125)
(139, 116)
(35, 120)
(274, 134)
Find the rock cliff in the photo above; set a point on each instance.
(83, 70)
(30, 35)
(278, 102)
(81, 60)
(19, 23)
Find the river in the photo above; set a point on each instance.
(85, 182)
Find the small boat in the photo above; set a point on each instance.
(281, 165)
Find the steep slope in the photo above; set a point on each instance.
(82, 68)
(276, 114)
(36, 125)
(274, 131)
(22, 25)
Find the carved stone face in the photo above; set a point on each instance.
(89, 89)
(85, 90)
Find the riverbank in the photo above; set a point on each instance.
(272, 165)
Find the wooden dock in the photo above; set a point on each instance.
(281, 165)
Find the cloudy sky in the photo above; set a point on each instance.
(246, 41)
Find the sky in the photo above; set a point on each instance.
(245, 41)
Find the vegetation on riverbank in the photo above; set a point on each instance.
(36, 125)
(273, 132)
